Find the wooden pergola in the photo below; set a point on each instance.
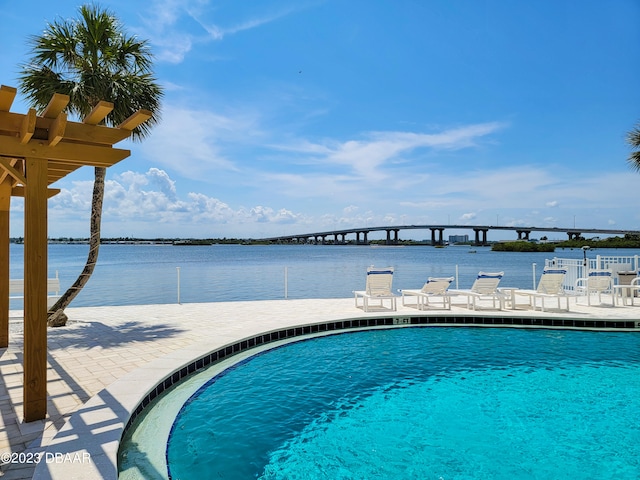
(36, 151)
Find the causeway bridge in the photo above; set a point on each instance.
(339, 237)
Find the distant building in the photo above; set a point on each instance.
(458, 238)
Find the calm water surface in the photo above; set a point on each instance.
(147, 274)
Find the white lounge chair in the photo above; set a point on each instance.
(435, 288)
(627, 292)
(550, 286)
(485, 287)
(378, 287)
(597, 281)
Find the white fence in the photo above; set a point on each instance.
(579, 268)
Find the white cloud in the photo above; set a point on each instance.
(217, 32)
(351, 209)
(169, 24)
(266, 214)
(425, 205)
(170, 44)
(317, 198)
(524, 186)
(151, 198)
(77, 199)
(365, 157)
(193, 141)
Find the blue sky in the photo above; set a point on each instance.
(285, 117)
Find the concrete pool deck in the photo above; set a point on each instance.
(107, 358)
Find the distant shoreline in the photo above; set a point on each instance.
(625, 242)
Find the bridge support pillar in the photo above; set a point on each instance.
(478, 232)
(574, 235)
(523, 234)
(394, 240)
(338, 238)
(364, 240)
(438, 240)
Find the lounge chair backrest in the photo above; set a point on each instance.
(600, 280)
(487, 283)
(379, 281)
(551, 281)
(436, 286)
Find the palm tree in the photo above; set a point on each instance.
(633, 139)
(91, 59)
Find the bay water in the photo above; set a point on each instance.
(139, 274)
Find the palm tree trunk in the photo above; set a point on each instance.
(57, 310)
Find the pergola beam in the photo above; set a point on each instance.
(75, 132)
(135, 120)
(7, 95)
(56, 130)
(19, 191)
(56, 105)
(99, 113)
(71, 153)
(28, 126)
(59, 168)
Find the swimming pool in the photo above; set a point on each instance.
(418, 403)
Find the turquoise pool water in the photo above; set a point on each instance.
(441, 403)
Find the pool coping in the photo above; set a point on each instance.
(87, 445)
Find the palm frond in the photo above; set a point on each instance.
(634, 160)
(633, 137)
(91, 58)
(633, 140)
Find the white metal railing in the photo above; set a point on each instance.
(576, 268)
(617, 264)
(579, 268)
(417, 274)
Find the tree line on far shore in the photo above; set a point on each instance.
(627, 241)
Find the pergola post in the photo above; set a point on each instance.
(35, 290)
(5, 206)
(36, 151)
